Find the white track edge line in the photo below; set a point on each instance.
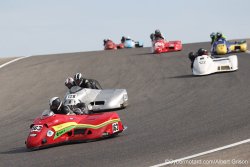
(203, 153)
(9, 62)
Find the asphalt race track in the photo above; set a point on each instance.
(171, 113)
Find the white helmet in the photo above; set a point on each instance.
(78, 79)
(55, 103)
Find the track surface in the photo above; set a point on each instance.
(171, 114)
(4, 60)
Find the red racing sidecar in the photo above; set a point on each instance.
(53, 129)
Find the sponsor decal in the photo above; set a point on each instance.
(66, 127)
(50, 133)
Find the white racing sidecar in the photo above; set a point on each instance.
(204, 65)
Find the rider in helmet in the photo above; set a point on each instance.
(69, 82)
(157, 35)
(106, 40)
(57, 106)
(80, 81)
(192, 57)
(213, 37)
(219, 36)
(86, 83)
(202, 52)
(123, 39)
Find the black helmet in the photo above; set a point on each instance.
(55, 103)
(219, 35)
(157, 32)
(191, 55)
(202, 51)
(78, 79)
(123, 39)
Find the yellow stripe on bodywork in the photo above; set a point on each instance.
(97, 126)
(65, 127)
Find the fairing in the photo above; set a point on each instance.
(57, 129)
(204, 65)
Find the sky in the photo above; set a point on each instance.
(30, 27)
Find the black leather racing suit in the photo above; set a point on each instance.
(90, 83)
(63, 110)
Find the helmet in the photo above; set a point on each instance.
(69, 82)
(205, 52)
(78, 79)
(127, 38)
(157, 32)
(219, 35)
(212, 35)
(55, 103)
(123, 39)
(202, 51)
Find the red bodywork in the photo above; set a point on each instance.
(110, 45)
(57, 129)
(161, 46)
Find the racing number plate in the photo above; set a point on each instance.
(202, 62)
(36, 128)
(115, 127)
(71, 96)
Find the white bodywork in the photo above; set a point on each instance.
(129, 44)
(204, 65)
(97, 99)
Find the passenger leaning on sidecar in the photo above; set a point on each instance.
(157, 35)
(57, 106)
(86, 83)
(219, 36)
(193, 55)
(69, 82)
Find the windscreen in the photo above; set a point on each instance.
(75, 89)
